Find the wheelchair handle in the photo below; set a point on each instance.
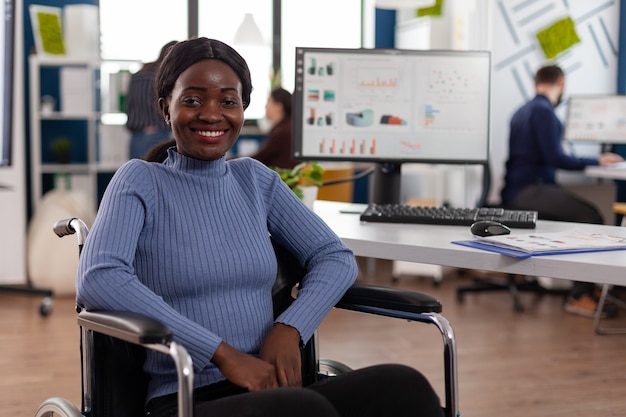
(70, 226)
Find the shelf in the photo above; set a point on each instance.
(47, 168)
(68, 116)
(52, 61)
(98, 137)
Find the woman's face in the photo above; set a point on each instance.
(205, 109)
(274, 111)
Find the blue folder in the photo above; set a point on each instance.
(523, 255)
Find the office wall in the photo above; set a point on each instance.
(508, 28)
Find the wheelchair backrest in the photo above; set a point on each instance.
(119, 384)
(289, 275)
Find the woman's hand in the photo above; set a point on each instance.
(282, 350)
(244, 370)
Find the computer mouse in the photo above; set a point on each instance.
(489, 228)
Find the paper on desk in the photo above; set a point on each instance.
(525, 245)
(617, 165)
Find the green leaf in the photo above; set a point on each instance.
(305, 173)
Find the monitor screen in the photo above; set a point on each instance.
(598, 118)
(391, 105)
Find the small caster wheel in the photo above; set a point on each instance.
(45, 307)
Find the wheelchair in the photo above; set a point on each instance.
(113, 344)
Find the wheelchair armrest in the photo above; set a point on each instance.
(411, 306)
(125, 325)
(385, 298)
(150, 333)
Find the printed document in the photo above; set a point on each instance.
(567, 241)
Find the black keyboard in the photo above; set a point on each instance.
(401, 213)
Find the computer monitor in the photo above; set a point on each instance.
(391, 106)
(596, 118)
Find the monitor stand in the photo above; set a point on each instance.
(384, 187)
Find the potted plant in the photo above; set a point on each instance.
(301, 177)
(61, 147)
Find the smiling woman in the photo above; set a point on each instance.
(199, 258)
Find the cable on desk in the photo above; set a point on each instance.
(349, 179)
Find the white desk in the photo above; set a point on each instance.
(606, 172)
(431, 244)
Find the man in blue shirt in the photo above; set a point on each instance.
(535, 153)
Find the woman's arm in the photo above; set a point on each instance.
(331, 266)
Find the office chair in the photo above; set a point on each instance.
(113, 344)
(513, 283)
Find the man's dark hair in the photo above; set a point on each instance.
(550, 74)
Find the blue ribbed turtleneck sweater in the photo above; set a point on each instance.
(187, 242)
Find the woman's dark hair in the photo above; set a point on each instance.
(186, 53)
(158, 152)
(282, 96)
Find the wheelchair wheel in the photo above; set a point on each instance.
(57, 407)
(329, 367)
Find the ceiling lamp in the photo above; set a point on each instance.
(248, 32)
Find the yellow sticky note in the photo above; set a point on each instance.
(51, 34)
(558, 37)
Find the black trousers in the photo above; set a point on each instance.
(555, 203)
(375, 391)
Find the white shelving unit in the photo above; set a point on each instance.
(84, 96)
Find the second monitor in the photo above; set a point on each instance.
(597, 118)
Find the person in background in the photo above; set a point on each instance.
(535, 154)
(186, 239)
(275, 150)
(145, 122)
